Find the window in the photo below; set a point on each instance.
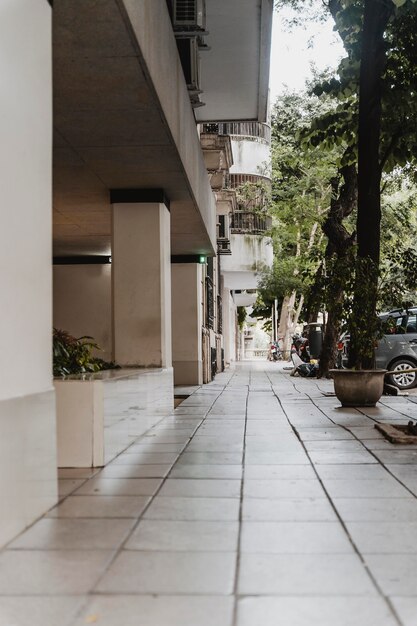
(412, 324)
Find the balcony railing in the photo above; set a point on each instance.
(242, 129)
(223, 246)
(249, 223)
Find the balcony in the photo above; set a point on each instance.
(223, 246)
(247, 222)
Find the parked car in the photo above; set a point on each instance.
(397, 350)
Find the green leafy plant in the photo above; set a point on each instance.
(73, 355)
(241, 316)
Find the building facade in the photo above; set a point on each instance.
(103, 171)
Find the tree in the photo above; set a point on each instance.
(301, 193)
(376, 84)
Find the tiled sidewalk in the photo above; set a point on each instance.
(259, 503)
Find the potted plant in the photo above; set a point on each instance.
(72, 355)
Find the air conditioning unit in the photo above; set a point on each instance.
(188, 49)
(189, 15)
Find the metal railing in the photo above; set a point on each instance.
(248, 222)
(242, 129)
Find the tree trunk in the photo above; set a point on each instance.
(339, 260)
(373, 58)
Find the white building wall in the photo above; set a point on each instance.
(250, 156)
(27, 403)
(250, 253)
(26, 181)
(82, 303)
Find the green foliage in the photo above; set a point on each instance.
(254, 196)
(74, 355)
(241, 316)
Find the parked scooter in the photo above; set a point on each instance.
(275, 353)
(300, 347)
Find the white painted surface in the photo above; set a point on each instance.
(27, 408)
(141, 261)
(251, 156)
(80, 423)
(82, 303)
(187, 323)
(250, 254)
(235, 72)
(99, 417)
(28, 474)
(26, 206)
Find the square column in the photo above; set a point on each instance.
(187, 322)
(141, 278)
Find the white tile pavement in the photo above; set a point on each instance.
(259, 502)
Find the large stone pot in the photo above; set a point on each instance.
(358, 387)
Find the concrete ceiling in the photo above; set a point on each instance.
(109, 132)
(235, 71)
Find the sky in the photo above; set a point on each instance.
(291, 56)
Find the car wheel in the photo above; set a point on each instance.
(403, 380)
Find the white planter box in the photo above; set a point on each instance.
(100, 415)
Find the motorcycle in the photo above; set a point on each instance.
(274, 352)
(300, 347)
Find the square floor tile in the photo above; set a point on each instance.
(39, 611)
(387, 487)
(384, 537)
(276, 458)
(210, 458)
(295, 574)
(350, 472)
(396, 574)
(330, 457)
(397, 456)
(103, 506)
(213, 444)
(170, 572)
(203, 488)
(34, 572)
(197, 536)
(145, 458)
(310, 611)
(222, 472)
(377, 509)
(288, 510)
(77, 472)
(295, 538)
(74, 534)
(406, 609)
(135, 471)
(282, 489)
(216, 509)
(280, 472)
(330, 444)
(324, 434)
(158, 611)
(154, 446)
(120, 487)
(68, 485)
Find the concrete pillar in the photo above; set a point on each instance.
(141, 273)
(28, 475)
(187, 313)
